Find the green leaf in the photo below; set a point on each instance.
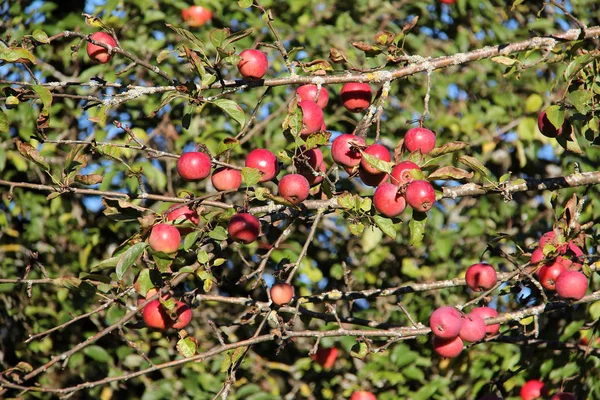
(217, 36)
(234, 37)
(515, 4)
(186, 347)
(556, 115)
(97, 353)
(317, 139)
(233, 109)
(244, 4)
(505, 60)
(127, 259)
(16, 54)
(226, 145)
(190, 239)
(356, 229)
(106, 264)
(359, 350)
(218, 233)
(251, 176)
(195, 42)
(417, 227)
(40, 36)
(380, 165)
(386, 225)
(580, 99)
(533, 103)
(450, 172)
(202, 257)
(475, 164)
(3, 122)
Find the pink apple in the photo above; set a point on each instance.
(402, 172)
(309, 92)
(533, 389)
(243, 228)
(253, 64)
(294, 188)
(373, 180)
(420, 139)
(388, 201)
(571, 285)
(344, 151)
(194, 166)
(378, 151)
(165, 238)
(420, 195)
(264, 161)
(473, 328)
(196, 16)
(312, 118)
(445, 322)
(448, 348)
(99, 53)
(487, 312)
(480, 277)
(282, 293)
(225, 178)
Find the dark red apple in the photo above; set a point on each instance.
(99, 53)
(294, 188)
(344, 151)
(225, 178)
(549, 130)
(184, 315)
(314, 158)
(388, 201)
(253, 64)
(563, 396)
(165, 238)
(356, 97)
(243, 228)
(182, 213)
(480, 277)
(420, 195)
(264, 161)
(194, 166)
(373, 180)
(419, 139)
(549, 272)
(309, 92)
(325, 356)
(445, 322)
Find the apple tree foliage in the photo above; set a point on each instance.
(87, 166)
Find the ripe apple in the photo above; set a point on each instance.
(243, 228)
(419, 139)
(184, 315)
(155, 316)
(378, 151)
(546, 238)
(388, 201)
(99, 53)
(225, 178)
(533, 389)
(480, 277)
(165, 238)
(549, 130)
(325, 356)
(314, 158)
(312, 118)
(563, 396)
(420, 195)
(449, 348)
(445, 322)
(571, 285)
(253, 64)
(448, 1)
(572, 257)
(363, 395)
(344, 151)
(282, 293)
(549, 272)
(264, 161)
(537, 256)
(309, 92)
(196, 16)
(401, 173)
(373, 180)
(473, 328)
(356, 97)
(294, 188)
(182, 212)
(487, 312)
(193, 166)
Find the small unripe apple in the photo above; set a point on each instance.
(419, 139)
(183, 213)
(473, 328)
(309, 92)
(225, 178)
(549, 272)
(448, 348)
(480, 277)
(344, 152)
(571, 285)
(196, 16)
(155, 316)
(388, 201)
(312, 118)
(420, 195)
(264, 161)
(243, 228)
(378, 151)
(363, 395)
(445, 322)
(356, 97)
(563, 396)
(549, 130)
(487, 312)
(325, 356)
(193, 166)
(282, 293)
(401, 173)
(165, 238)
(373, 180)
(533, 389)
(294, 188)
(253, 64)
(184, 315)
(99, 53)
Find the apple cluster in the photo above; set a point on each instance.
(536, 389)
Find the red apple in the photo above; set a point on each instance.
(419, 139)
(571, 285)
(487, 312)
(253, 64)
(537, 256)
(480, 277)
(445, 322)
(325, 356)
(388, 201)
(282, 293)
(549, 130)
(193, 166)
(344, 151)
(533, 389)
(549, 272)
(309, 92)
(420, 195)
(165, 238)
(99, 53)
(196, 16)
(402, 172)
(155, 316)
(225, 178)
(378, 151)
(264, 161)
(312, 118)
(294, 188)
(448, 1)
(363, 395)
(449, 348)
(546, 238)
(473, 328)
(182, 213)
(356, 97)
(184, 315)
(243, 228)
(373, 180)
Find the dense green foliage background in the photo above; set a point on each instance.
(491, 105)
